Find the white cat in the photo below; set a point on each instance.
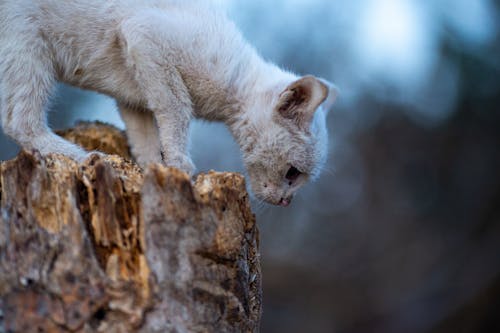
(164, 62)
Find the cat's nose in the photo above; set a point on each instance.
(285, 201)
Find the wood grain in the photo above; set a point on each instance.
(107, 247)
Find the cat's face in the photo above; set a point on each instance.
(291, 147)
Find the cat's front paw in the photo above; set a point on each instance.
(92, 157)
(183, 163)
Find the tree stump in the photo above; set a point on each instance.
(107, 247)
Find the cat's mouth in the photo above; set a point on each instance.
(274, 195)
(285, 202)
(282, 202)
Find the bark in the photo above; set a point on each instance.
(106, 247)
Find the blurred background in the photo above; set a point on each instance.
(402, 231)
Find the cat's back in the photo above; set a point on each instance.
(84, 32)
(76, 18)
(51, 16)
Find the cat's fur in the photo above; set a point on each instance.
(164, 62)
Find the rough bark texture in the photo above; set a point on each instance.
(106, 247)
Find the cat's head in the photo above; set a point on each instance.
(289, 146)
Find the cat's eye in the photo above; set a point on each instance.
(292, 174)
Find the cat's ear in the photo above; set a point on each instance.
(333, 92)
(299, 101)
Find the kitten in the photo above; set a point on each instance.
(164, 62)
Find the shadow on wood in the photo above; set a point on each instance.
(106, 247)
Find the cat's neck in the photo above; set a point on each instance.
(239, 88)
(226, 87)
(253, 94)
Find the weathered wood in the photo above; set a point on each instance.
(104, 247)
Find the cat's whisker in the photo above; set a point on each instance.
(260, 207)
(328, 169)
